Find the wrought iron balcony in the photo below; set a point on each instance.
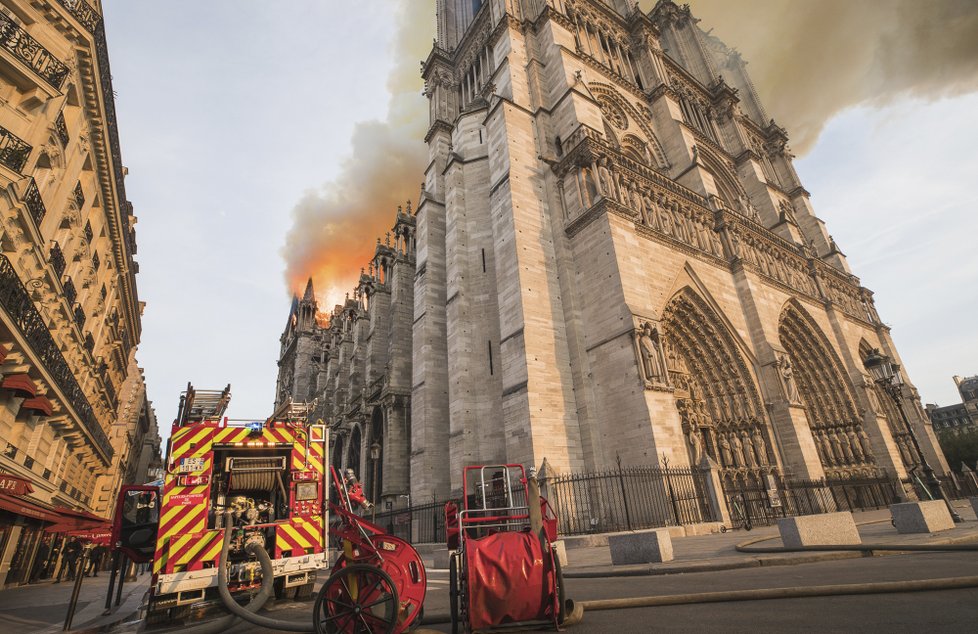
(79, 195)
(62, 129)
(29, 51)
(17, 303)
(70, 293)
(80, 316)
(84, 13)
(13, 150)
(90, 343)
(35, 204)
(57, 260)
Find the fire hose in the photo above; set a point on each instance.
(246, 612)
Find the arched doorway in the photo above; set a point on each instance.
(716, 395)
(825, 391)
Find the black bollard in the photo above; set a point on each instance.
(108, 595)
(79, 575)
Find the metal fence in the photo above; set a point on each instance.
(629, 499)
(809, 497)
(420, 524)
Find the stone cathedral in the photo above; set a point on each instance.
(612, 257)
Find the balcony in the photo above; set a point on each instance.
(84, 13)
(62, 128)
(70, 293)
(29, 51)
(17, 304)
(57, 260)
(35, 204)
(79, 195)
(13, 150)
(80, 316)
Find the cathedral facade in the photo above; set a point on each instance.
(612, 258)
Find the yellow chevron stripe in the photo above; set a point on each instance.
(296, 536)
(191, 554)
(185, 448)
(192, 523)
(214, 551)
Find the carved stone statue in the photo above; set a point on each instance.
(827, 449)
(759, 446)
(695, 446)
(864, 441)
(652, 362)
(749, 450)
(725, 452)
(846, 447)
(857, 449)
(787, 375)
(738, 451)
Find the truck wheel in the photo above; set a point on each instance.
(304, 591)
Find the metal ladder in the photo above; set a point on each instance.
(198, 406)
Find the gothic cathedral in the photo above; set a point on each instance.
(611, 259)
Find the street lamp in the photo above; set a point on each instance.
(887, 375)
(374, 458)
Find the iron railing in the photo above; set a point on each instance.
(29, 51)
(70, 293)
(79, 195)
(17, 303)
(629, 499)
(34, 203)
(809, 497)
(14, 151)
(421, 524)
(62, 129)
(57, 259)
(79, 315)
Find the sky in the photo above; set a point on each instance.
(266, 145)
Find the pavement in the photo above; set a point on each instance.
(717, 551)
(41, 607)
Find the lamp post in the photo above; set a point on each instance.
(374, 459)
(887, 375)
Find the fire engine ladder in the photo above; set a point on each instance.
(200, 405)
(294, 412)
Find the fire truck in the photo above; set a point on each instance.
(264, 480)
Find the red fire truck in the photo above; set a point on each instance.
(264, 480)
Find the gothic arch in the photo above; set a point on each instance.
(826, 392)
(716, 393)
(353, 450)
(614, 107)
(728, 186)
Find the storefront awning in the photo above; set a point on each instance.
(20, 383)
(38, 404)
(76, 521)
(25, 508)
(15, 485)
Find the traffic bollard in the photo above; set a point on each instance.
(108, 595)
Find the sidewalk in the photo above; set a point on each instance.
(41, 607)
(717, 551)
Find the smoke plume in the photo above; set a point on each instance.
(335, 228)
(809, 59)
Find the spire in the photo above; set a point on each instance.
(309, 295)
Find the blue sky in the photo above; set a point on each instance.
(232, 112)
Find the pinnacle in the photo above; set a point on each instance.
(309, 295)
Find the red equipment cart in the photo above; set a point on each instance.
(502, 572)
(378, 583)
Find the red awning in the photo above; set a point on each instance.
(20, 383)
(39, 404)
(22, 507)
(75, 521)
(15, 485)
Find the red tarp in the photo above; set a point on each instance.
(22, 507)
(507, 579)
